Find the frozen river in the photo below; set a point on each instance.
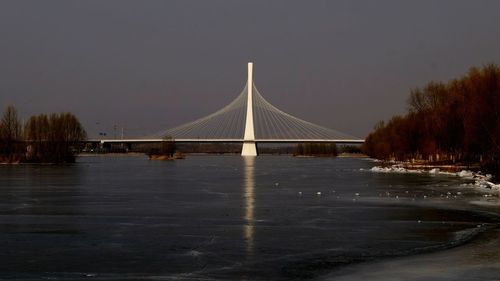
(231, 218)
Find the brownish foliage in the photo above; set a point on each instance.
(11, 149)
(315, 149)
(53, 138)
(45, 138)
(166, 149)
(454, 121)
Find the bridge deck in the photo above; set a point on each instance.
(226, 140)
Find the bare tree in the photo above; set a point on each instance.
(168, 146)
(454, 121)
(54, 138)
(10, 132)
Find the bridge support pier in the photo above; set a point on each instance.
(249, 148)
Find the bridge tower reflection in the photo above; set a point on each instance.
(249, 196)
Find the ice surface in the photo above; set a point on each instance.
(478, 260)
(220, 218)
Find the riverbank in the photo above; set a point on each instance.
(176, 156)
(465, 171)
(352, 155)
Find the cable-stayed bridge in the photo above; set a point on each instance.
(249, 119)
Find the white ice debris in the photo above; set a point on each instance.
(480, 180)
(434, 171)
(393, 169)
(484, 181)
(465, 174)
(194, 253)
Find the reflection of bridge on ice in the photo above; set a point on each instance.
(249, 119)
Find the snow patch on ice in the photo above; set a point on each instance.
(434, 171)
(194, 253)
(393, 169)
(480, 180)
(466, 174)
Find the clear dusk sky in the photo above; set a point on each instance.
(152, 65)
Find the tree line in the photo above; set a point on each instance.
(457, 121)
(316, 149)
(167, 148)
(44, 138)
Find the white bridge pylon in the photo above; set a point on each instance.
(251, 119)
(249, 146)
